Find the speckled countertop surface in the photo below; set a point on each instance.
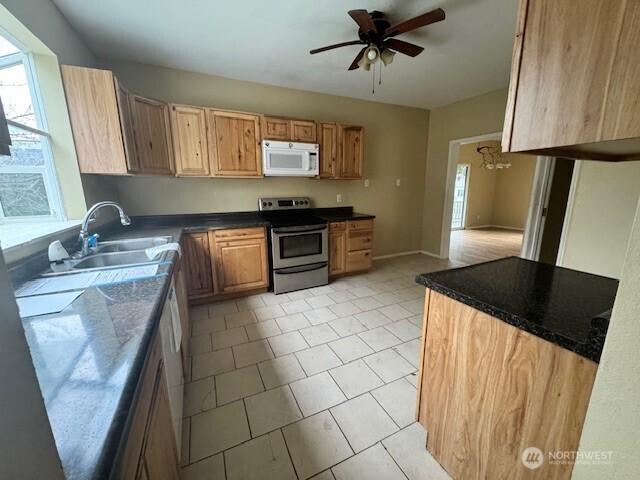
(566, 307)
(89, 357)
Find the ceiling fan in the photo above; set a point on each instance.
(377, 34)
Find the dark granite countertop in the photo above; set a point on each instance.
(340, 214)
(89, 357)
(566, 307)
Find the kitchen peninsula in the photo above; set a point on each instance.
(509, 353)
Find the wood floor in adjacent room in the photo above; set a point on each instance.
(484, 244)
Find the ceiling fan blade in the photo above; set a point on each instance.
(403, 47)
(337, 45)
(423, 20)
(363, 19)
(354, 64)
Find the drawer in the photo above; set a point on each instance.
(357, 261)
(337, 226)
(361, 224)
(240, 233)
(360, 240)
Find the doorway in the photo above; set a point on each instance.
(460, 192)
(471, 233)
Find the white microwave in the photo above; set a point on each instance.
(290, 159)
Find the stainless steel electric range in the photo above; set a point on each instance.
(299, 244)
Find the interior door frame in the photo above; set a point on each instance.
(447, 214)
(466, 196)
(538, 202)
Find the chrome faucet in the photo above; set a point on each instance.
(84, 230)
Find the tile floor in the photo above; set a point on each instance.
(317, 384)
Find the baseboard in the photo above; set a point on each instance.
(400, 254)
(431, 254)
(502, 227)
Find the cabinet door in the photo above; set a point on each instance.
(575, 74)
(276, 128)
(240, 264)
(160, 457)
(190, 146)
(328, 138)
(126, 125)
(95, 120)
(357, 261)
(197, 264)
(153, 141)
(337, 252)
(303, 131)
(352, 152)
(237, 143)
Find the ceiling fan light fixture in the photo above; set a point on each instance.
(373, 54)
(387, 56)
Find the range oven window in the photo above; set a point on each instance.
(302, 245)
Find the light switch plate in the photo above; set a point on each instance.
(397, 182)
(366, 182)
(339, 198)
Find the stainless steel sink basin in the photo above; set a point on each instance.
(131, 244)
(103, 260)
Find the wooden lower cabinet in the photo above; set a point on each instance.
(337, 248)
(350, 246)
(197, 264)
(149, 449)
(488, 390)
(240, 259)
(159, 460)
(224, 262)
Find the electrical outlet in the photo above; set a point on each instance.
(339, 198)
(366, 182)
(477, 217)
(397, 182)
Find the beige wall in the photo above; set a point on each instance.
(482, 187)
(497, 197)
(395, 147)
(513, 191)
(599, 224)
(613, 417)
(468, 118)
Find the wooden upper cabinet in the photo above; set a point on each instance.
(276, 128)
(96, 121)
(152, 135)
(197, 264)
(303, 131)
(328, 138)
(236, 139)
(126, 123)
(351, 152)
(286, 129)
(575, 80)
(190, 144)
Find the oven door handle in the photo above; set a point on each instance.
(295, 232)
(304, 268)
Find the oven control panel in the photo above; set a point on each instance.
(283, 203)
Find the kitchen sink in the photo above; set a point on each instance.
(103, 260)
(131, 244)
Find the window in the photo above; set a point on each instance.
(28, 185)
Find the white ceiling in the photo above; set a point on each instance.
(269, 41)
